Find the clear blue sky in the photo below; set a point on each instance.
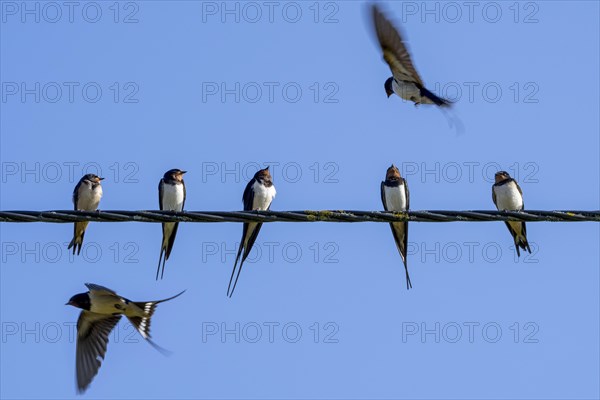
(309, 100)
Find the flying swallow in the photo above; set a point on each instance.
(508, 196)
(171, 197)
(86, 197)
(258, 195)
(395, 197)
(405, 80)
(102, 309)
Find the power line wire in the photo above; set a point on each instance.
(65, 216)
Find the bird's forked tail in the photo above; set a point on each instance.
(142, 324)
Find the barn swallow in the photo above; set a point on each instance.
(86, 197)
(258, 195)
(171, 197)
(395, 197)
(405, 80)
(102, 309)
(508, 196)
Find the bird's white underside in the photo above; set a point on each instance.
(172, 197)
(88, 199)
(263, 196)
(508, 197)
(395, 198)
(409, 91)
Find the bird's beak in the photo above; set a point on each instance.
(68, 303)
(388, 95)
(183, 172)
(100, 179)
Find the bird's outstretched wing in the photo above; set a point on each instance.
(92, 338)
(98, 288)
(395, 52)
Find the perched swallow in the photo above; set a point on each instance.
(102, 309)
(86, 197)
(395, 197)
(171, 197)
(508, 196)
(258, 195)
(405, 80)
